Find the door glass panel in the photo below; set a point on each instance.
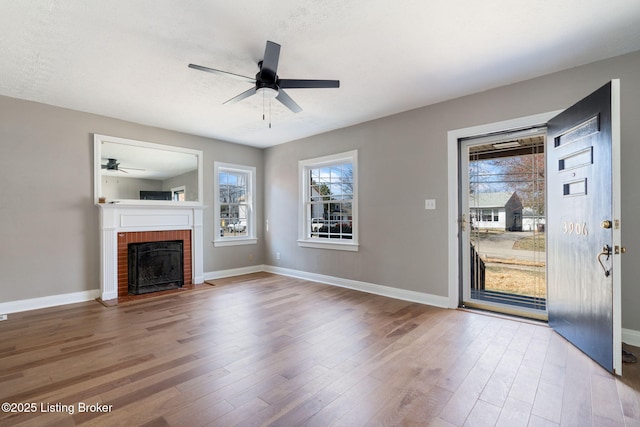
(584, 129)
(506, 221)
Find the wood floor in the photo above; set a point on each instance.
(264, 349)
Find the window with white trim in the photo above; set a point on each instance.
(234, 202)
(178, 193)
(329, 207)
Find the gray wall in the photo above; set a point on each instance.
(49, 225)
(403, 160)
(118, 187)
(189, 180)
(48, 222)
(122, 187)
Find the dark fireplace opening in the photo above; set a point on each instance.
(155, 266)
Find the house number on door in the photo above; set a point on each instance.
(577, 228)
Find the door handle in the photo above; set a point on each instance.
(605, 224)
(606, 251)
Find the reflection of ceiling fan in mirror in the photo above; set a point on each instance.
(114, 165)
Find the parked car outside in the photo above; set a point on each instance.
(237, 227)
(317, 224)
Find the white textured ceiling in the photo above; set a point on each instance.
(128, 59)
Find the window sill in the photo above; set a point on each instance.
(235, 242)
(335, 245)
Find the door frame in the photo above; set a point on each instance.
(453, 187)
(464, 238)
(616, 186)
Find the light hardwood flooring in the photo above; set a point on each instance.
(265, 349)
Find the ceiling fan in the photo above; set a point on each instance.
(114, 165)
(267, 83)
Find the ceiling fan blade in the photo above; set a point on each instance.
(288, 102)
(303, 84)
(223, 73)
(242, 96)
(269, 66)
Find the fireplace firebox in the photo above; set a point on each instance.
(155, 266)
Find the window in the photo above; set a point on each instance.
(234, 204)
(178, 193)
(485, 215)
(329, 194)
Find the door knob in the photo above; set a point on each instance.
(605, 224)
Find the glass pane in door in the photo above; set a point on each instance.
(507, 223)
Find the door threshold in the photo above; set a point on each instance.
(516, 301)
(504, 312)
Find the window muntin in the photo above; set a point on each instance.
(329, 201)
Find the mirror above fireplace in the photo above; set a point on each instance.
(137, 172)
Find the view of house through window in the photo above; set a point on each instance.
(507, 222)
(329, 201)
(234, 204)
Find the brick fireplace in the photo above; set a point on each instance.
(122, 224)
(147, 237)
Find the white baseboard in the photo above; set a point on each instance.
(413, 296)
(631, 337)
(234, 272)
(62, 299)
(50, 301)
(387, 291)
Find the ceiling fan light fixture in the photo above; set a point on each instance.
(267, 92)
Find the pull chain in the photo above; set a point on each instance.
(264, 109)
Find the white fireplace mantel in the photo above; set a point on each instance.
(117, 217)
